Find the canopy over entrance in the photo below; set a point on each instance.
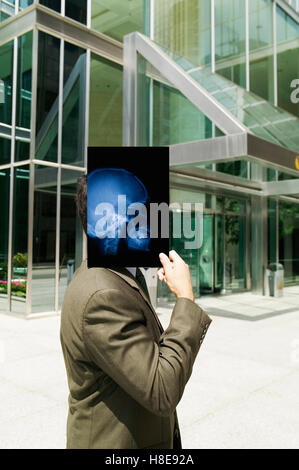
(257, 133)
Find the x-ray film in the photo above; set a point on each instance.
(127, 206)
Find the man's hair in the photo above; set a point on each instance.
(81, 201)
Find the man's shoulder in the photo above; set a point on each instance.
(87, 281)
(85, 284)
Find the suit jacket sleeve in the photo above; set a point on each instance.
(117, 340)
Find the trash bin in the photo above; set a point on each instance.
(70, 269)
(275, 275)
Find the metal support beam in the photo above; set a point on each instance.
(288, 9)
(54, 23)
(235, 147)
(137, 43)
(258, 245)
(285, 187)
(209, 150)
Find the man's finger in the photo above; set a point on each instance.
(165, 261)
(173, 256)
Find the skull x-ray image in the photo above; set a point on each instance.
(127, 206)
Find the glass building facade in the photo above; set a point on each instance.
(62, 89)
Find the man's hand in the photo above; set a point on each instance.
(175, 273)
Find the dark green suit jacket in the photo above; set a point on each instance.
(126, 375)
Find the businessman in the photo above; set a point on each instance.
(126, 375)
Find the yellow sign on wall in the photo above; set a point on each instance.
(297, 162)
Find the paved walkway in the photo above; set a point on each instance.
(243, 393)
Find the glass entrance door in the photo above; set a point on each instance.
(223, 255)
(220, 264)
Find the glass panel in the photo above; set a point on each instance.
(20, 239)
(230, 40)
(288, 241)
(53, 4)
(105, 114)
(261, 48)
(44, 239)
(23, 111)
(5, 145)
(227, 204)
(71, 232)
(3, 16)
(73, 130)
(261, 117)
(236, 168)
(7, 9)
(176, 119)
(184, 27)
(24, 4)
(287, 61)
(47, 97)
(22, 150)
(117, 17)
(4, 225)
(76, 9)
(6, 66)
(180, 196)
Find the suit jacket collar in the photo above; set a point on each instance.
(130, 279)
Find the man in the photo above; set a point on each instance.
(126, 375)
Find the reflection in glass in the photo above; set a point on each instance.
(7, 9)
(184, 27)
(53, 4)
(4, 224)
(44, 239)
(23, 110)
(260, 116)
(20, 239)
(71, 232)
(47, 97)
(5, 145)
(230, 40)
(287, 60)
(288, 241)
(77, 10)
(261, 48)
(176, 119)
(116, 18)
(6, 65)
(22, 150)
(236, 168)
(73, 105)
(105, 114)
(24, 4)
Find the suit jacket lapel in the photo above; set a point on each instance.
(130, 279)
